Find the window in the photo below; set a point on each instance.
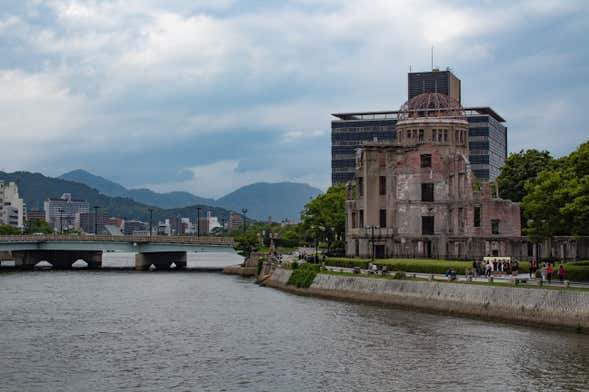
(383, 218)
(360, 218)
(495, 226)
(382, 185)
(361, 186)
(439, 136)
(421, 135)
(426, 160)
(434, 135)
(427, 225)
(445, 136)
(427, 192)
(354, 222)
(477, 217)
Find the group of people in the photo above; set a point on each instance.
(546, 271)
(487, 268)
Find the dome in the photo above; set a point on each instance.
(434, 105)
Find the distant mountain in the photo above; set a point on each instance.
(35, 188)
(279, 200)
(145, 196)
(101, 184)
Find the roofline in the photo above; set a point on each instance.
(394, 113)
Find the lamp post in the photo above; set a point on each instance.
(60, 210)
(244, 211)
(372, 228)
(96, 220)
(150, 222)
(198, 222)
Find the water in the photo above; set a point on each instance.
(162, 331)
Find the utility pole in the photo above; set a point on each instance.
(244, 211)
(96, 220)
(150, 221)
(60, 220)
(197, 222)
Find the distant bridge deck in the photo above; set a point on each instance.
(115, 243)
(62, 251)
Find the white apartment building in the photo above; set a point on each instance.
(12, 207)
(61, 213)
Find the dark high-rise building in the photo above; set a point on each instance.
(487, 132)
(443, 82)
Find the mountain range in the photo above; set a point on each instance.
(35, 188)
(283, 200)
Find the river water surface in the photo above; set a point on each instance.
(183, 331)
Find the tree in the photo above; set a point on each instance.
(37, 226)
(325, 216)
(8, 230)
(519, 169)
(557, 200)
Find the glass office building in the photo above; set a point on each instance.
(487, 140)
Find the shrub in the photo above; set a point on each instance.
(294, 265)
(303, 277)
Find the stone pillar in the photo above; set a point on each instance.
(160, 260)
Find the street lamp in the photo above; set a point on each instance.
(372, 228)
(60, 210)
(244, 211)
(150, 222)
(96, 220)
(198, 222)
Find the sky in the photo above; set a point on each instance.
(208, 96)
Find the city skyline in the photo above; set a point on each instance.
(209, 97)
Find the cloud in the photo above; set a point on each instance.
(226, 89)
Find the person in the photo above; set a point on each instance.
(561, 273)
(549, 272)
(543, 272)
(488, 269)
(532, 268)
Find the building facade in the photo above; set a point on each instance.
(487, 130)
(90, 222)
(417, 196)
(61, 213)
(234, 222)
(436, 81)
(12, 207)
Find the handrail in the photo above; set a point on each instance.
(208, 240)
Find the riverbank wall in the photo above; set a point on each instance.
(239, 270)
(563, 309)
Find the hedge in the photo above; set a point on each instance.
(428, 266)
(304, 275)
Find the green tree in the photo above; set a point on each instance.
(37, 226)
(557, 200)
(325, 216)
(8, 230)
(519, 169)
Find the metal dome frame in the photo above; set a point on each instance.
(432, 105)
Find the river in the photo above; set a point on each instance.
(181, 331)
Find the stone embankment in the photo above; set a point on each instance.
(567, 309)
(239, 270)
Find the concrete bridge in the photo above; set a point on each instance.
(62, 251)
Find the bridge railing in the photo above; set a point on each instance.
(161, 239)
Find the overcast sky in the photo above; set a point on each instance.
(207, 96)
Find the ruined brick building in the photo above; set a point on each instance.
(417, 196)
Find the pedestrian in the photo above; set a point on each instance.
(488, 270)
(549, 272)
(531, 268)
(543, 272)
(561, 273)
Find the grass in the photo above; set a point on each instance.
(304, 275)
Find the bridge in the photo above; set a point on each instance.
(62, 251)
